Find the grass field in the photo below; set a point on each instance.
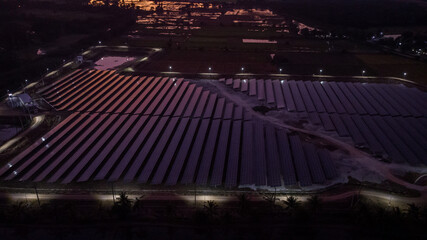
(391, 65)
(225, 62)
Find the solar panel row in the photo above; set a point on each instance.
(389, 119)
(333, 97)
(182, 135)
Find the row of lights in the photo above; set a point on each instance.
(281, 70)
(210, 69)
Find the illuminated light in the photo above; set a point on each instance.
(283, 81)
(43, 139)
(15, 172)
(51, 73)
(143, 59)
(280, 70)
(321, 82)
(210, 68)
(10, 165)
(321, 70)
(47, 145)
(170, 67)
(99, 42)
(404, 74)
(243, 69)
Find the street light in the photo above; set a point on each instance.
(321, 71)
(170, 67)
(280, 70)
(363, 72)
(210, 69)
(243, 69)
(404, 74)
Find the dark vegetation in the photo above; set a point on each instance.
(360, 219)
(359, 13)
(61, 30)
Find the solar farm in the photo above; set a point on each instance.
(175, 131)
(389, 120)
(161, 130)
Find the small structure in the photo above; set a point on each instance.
(79, 59)
(20, 100)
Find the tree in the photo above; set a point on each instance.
(138, 204)
(243, 202)
(271, 199)
(413, 211)
(314, 203)
(292, 203)
(211, 208)
(122, 207)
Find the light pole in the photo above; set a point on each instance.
(280, 70)
(37, 194)
(243, 69)
(404, 74)
(320, 71)
(363, 72)
(170, 68)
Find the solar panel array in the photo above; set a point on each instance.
(162, 131)
(388, 119)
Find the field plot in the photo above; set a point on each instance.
(388, 119)
(219, 61)
(162, 131)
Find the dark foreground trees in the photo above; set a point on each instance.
(363, 219)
